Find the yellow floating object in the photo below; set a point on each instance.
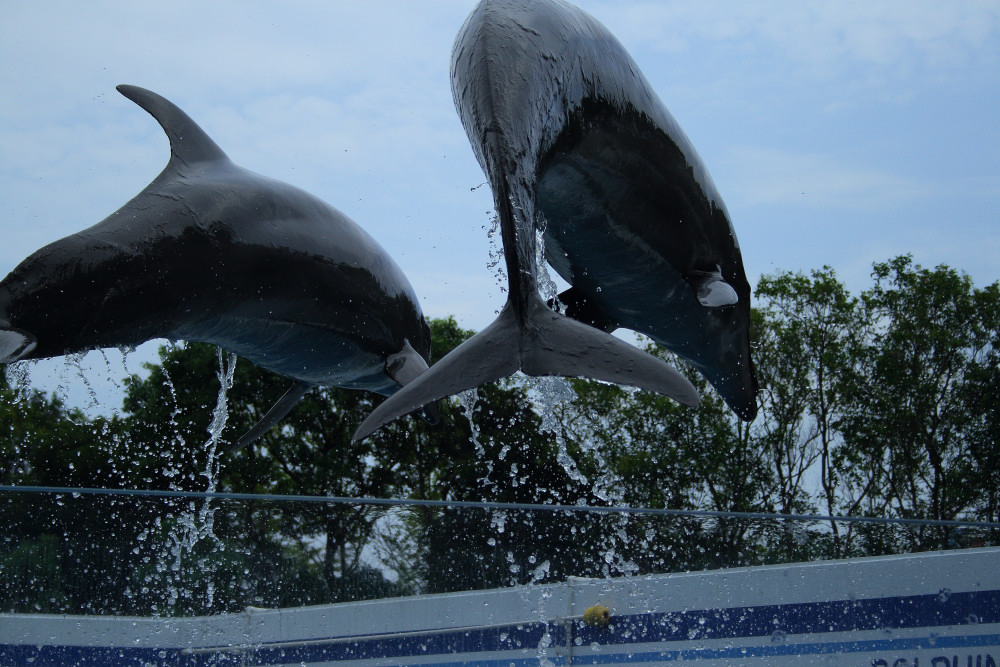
(597, 616)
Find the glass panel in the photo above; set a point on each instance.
(86, 553)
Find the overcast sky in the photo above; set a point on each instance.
(838, 133)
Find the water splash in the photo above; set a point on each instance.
(195, 526)
(546, 395)
(546, 285)
(468, 400)
(498, 521)
(110, 371)
(75, 361)
(227, 369)
(543, 649)
(172, 467)
(540, 573)
(18, 379)
(495, 264)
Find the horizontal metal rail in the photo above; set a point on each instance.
(408, 502)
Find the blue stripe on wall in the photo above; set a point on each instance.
(814, 648)
(776, 621)
(86, 656)
(915, 611)
(133, 657)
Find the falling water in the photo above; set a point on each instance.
(546, 285)
(76, 362)
(110, 373)
(468, 399)
(547, 395)
(172, 467)
(495, 263)
(17, 379)
(227, 367)
(197, 523)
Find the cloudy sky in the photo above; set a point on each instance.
(839, 133)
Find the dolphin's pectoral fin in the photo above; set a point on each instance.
(274, 415)
(547, 343)
(580, 307)
(404, 367)
(14, 344)
(711, 288)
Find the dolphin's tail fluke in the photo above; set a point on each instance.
(546, 343)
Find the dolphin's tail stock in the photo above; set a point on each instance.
(546, 343)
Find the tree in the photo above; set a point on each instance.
(933, 342)
(878, 405)
(310, 453)
(51, 542)
(808, 328)
(668, 456)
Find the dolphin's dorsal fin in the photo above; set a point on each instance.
(188, 142)
(711, 288)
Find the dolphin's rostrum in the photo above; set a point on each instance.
(212, 252)
(576, 144)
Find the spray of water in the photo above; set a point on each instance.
(547, 396)
(468, 399)
(546, 285)
(197, 523)
(18, 379)
(495, 263)
(76, 362)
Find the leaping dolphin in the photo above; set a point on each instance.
(214, 253)
(576, 144)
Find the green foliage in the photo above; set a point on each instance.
(881, 404)
(912, 419)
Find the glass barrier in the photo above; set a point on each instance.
(90, 553)
(567, 468)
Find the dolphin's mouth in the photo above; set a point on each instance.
(14, 344)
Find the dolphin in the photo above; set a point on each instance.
(577, 146)
(214, 253)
